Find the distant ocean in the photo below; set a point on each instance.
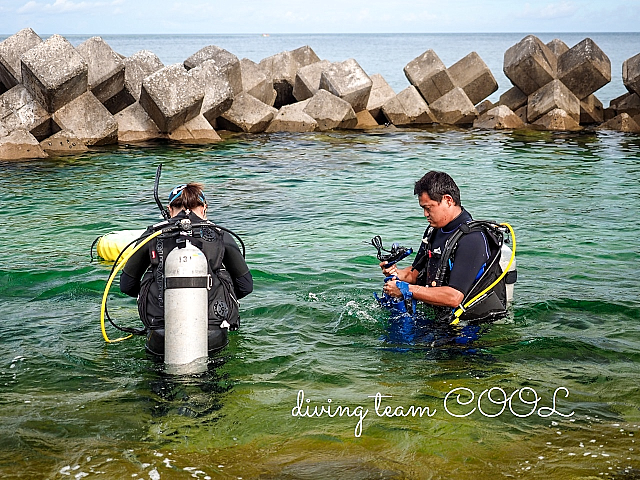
(386, 53)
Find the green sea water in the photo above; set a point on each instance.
(306, 205)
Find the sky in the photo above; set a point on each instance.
(325, 16)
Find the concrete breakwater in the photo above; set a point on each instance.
(55, 98)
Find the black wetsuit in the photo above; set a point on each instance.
(141, 273)
(471, 256)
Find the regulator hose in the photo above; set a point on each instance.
(244, 249)
(117, 266)
(461, 309)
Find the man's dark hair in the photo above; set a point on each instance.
(436, 185)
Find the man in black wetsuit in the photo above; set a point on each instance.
(439, 197)
(143, 274)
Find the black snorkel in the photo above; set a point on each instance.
(164, 211)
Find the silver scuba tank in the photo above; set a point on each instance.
(505, 256)
(186, 306)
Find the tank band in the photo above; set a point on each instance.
(186, 282)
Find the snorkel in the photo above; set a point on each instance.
(163, 210)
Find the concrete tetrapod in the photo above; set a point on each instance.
(171, 97)
(227, 63)
(19, 145)
(135, 125)
(54, 73)
(429, 75)
(454, 108)
(330, 111)
(529, 64)
(105, 68)
(11, 49)
(631, 74)
(292, 118)
(20, 110)
(408, 108)
(348, 81)
(500, 117)
(218, 94)
(89, 120)
(247, 114)
(63, 142)
(557, 119)
(474, 77)
(307, 81)
(381, 93)
(584, 68)
(256, 82)
(553, 95)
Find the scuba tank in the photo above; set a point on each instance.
(505, 256)
(186, 308)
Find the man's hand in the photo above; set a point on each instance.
(389, 271)
(391, 289)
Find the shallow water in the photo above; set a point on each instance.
(306, 206)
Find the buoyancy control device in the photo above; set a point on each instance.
(492, 292)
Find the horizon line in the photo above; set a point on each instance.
(339, 33)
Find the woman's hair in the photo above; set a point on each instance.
(187, 196)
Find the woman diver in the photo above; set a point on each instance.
(231, 280)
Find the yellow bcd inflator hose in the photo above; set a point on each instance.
(460, 310)
(117, 268)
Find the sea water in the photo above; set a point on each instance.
(320, 382)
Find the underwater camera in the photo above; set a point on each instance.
(396, 306)
(392, 256)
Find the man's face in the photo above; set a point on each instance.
(437, 213)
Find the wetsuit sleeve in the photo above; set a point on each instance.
(129, 285)
(471, 254)
(243, 285)
(237, 267)
(134, 269)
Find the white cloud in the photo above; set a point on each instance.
(28, 7)
(549, 11)
(294, 17)
(64, 6)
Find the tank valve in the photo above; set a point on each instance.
(185, 225)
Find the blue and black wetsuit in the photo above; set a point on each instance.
(471, 256)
